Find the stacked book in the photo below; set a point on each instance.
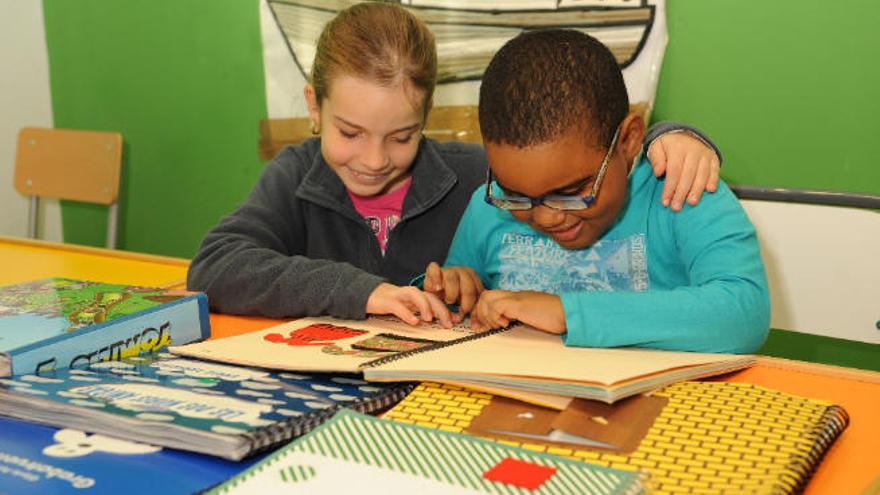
(507, 411)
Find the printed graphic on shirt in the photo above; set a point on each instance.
(375, 224)
(529, 262)
(381, 226)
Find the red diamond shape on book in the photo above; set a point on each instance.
(519, 473)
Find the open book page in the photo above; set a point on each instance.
(322, 344)
(550, 401)
(538, 361)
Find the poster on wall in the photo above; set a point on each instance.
(468, 33)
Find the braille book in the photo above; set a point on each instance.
(353, 453)
(518, 358)
(215, 409)
(39, 460)
(57, 323)
(709, 437)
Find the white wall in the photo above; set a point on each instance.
(24, 101)
(822, 267)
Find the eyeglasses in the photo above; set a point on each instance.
(557, 202)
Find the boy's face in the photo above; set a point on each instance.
(566, 166)
(369, 133)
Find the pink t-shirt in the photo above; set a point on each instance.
(381, 212)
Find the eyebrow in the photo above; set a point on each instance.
(576, 184)
(411, 127)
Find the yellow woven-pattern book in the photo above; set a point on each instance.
(712, 437)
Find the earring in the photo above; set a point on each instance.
(315, 128)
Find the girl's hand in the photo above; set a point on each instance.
(690, 166)
(497, 308)
(454, 284)
(409, 304)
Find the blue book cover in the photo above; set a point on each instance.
(59, 323)
(37, 460)
(217, 409)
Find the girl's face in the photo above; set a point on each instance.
(369, 133)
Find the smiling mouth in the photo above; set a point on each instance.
(365, 177)
(567, 234)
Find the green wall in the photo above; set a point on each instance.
(183, 82)
(789, 89)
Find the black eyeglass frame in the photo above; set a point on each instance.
(555, 201)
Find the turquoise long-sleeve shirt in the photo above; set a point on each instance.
(691, 280)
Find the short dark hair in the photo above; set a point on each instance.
(541, 84)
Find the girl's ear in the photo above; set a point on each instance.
(632, 134)
(314, 107)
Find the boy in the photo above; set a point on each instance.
(569, 233)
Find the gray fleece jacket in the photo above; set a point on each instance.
(297, 246)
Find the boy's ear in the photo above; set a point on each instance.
(313, 106)
(632, 135)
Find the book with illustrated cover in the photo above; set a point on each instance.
(519, 358)
(36, 460)
(58, 323)
(225, 411)
(353, 453)
(696, 437)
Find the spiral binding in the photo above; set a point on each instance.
(439, 345)
(270, 436)
(826, 431)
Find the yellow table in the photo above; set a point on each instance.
(27, 259)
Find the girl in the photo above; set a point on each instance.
(340, 224)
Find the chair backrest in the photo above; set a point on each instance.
(69, 164)
(445, 123)
(822, 260)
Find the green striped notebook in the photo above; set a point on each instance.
(354, 453)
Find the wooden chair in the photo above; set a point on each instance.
(69, 164)
(821, 250)
(445, 123)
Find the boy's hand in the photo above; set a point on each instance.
(497, 308)
(408, 303)
(690, 167)
(454, 284)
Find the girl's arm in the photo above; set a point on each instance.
(252, 262)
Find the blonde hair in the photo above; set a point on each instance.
(378, 42)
